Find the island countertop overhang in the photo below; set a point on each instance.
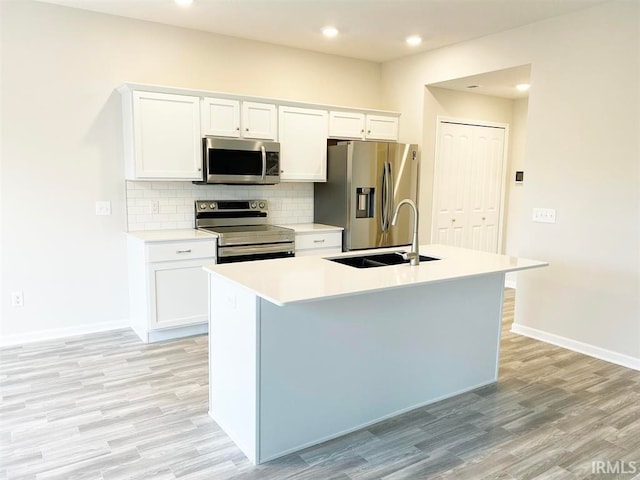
(303, 279)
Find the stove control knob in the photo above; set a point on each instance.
(254, 204)
(203, 206)
(212, 206)
(261, 204)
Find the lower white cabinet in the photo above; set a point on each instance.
(318, 243)
(168, 295)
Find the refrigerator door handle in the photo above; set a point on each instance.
(390, 194)
(383, 199)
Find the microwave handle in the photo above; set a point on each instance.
(264, 162)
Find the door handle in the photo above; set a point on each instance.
(389, 193)
(383, 199)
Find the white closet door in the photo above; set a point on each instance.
(468, 186)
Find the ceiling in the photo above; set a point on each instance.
(369, 29)
(501, 83)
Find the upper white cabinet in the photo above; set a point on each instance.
(161, 136)
(346, 124)
(220, 117)
(259, 120)
(381, 127)
(233, 118)
(303, 144)
(362, 126)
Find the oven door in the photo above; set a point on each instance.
(241, 161)
(243, 253)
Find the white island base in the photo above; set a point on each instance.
(286, 377)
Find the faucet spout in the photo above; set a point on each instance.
(414, 255)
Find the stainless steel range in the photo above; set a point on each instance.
(243, 233)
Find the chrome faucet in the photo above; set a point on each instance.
(414, 255)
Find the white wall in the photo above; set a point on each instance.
(62, 146)
(516, 217)
(582, 158)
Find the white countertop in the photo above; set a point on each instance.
(169, 235)
(292, 280)
(193, 234)
(311, 227)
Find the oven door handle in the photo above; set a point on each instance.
(256, 250)
(264, 162)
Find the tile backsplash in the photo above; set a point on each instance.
(169, 205)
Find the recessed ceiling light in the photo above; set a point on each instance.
(330, 32)
(183, 3)
(414, 40)
(523, 87)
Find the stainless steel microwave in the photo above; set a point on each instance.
(236, 161)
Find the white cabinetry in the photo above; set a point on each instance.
(161, 136)
(316, 239)
(303, 144)
(220, 117)
(168, 287)
(259, 120)
(381, 127)
(362, 126)
(233, 118)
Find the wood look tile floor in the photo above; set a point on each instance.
(105, 406)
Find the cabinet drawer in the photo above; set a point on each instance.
(162, 252)
(318, 240)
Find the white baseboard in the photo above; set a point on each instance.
(509, 283)
(576, 346)
(55, 333)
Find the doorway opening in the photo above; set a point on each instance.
(494, 100)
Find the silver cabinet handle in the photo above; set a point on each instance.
(183, 251)
(238, 128)
(318, 241)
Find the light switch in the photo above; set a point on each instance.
(103, 208)
(544, 215)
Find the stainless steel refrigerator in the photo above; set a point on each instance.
(365, 181)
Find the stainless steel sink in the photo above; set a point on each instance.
(377, 260)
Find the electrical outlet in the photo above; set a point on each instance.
(17, 300)
(103, 208)
(155, 206)
(544, 215)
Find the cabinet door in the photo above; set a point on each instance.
(178, 293)
(303, 144)
(381, 127)
(318, 243)
(220, 117)
(166, 135)
(259, 120)
(346, 125)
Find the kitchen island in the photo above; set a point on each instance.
(305, 349)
